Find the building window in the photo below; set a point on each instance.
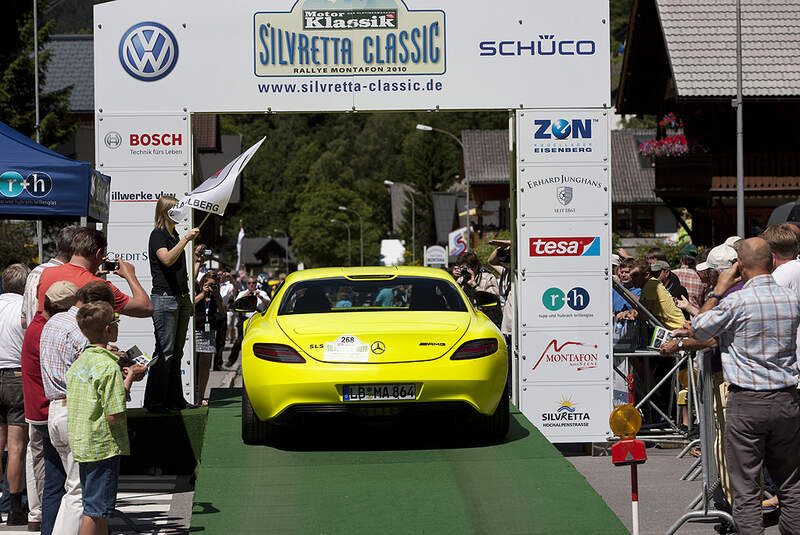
(634, 220)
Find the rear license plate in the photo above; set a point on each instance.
(389, 392)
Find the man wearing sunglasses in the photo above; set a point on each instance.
(263, 301)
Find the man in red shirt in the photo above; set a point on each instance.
(88, 252)
(59, 297)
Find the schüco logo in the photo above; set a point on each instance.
(563, 129)
(576, 355)
(148, 51)
(565, 246)
(555, 298)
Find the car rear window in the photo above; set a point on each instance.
(339, 294)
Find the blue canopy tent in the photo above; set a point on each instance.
(37, 183)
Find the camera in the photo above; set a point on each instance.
(207, 253)
(110, 265)
(504, 255)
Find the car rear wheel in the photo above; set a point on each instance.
(254, 431)
(495, 427)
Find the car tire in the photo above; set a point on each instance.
(254, 431)
(495, 427)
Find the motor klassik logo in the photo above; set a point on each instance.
(316, 39)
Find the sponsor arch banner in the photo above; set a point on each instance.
(344, 55)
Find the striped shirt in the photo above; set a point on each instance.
(61, 343)
(756, 328)
(29, 301)
(95, 390)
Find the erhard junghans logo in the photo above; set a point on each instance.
(326, 38)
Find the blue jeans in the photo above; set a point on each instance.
(54, 479)
(99, 481)
(171, 321)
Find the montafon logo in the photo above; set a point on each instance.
(148, 51)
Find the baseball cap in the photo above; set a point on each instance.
(614, 259)
(689, 250)
(733, 239)
(719, 258)
(61, 291)
(659, 265)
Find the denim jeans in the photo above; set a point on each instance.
(54, 478)
(171, 321)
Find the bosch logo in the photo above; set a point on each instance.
(565, 246)
(148, 51)
(155, 140)
(113, 140)
(563, 129)
(555, 299)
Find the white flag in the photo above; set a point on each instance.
(215, 192)
(239, 249)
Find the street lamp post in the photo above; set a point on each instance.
(389, 184)
(361, 228)
(286, 250)
(349, 262)
(426, 128)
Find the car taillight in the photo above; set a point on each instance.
(277, 353)
(475, 349)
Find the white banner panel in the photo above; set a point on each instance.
(557, 356)
(564, 246)
(563, 136)
(143, 141)
(563, 192)
(569, 412)
(558, 301)
(322, 55)
(134, 194)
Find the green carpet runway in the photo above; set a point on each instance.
(385, 479)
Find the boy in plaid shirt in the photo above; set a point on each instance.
(97, 425)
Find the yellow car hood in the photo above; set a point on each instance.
(397, 336)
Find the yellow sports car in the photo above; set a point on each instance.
(371, 341)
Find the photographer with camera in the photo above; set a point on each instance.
(209, 307)
(262, 300)
(499, 260)
(172, 307)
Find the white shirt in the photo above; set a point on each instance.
(11, 331)
(226, 291)
(29, 301)
(262, 303)
(788, 276)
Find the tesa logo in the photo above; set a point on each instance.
(155, 140)
(565, 246)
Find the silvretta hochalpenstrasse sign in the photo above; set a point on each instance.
(367, 37)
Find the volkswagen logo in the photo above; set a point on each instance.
(148, 51)
(113, 140)
(378, 347)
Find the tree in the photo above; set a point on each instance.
(17, 99)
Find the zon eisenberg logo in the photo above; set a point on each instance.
(113, 140)
(148, 51)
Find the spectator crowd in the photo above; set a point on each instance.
(739, 301)
(64, 382)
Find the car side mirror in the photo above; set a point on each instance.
(248, 303)
(486, 299)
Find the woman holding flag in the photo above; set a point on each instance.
(172, 307)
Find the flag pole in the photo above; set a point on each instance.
(204, 219)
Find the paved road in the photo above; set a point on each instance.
(662, 496)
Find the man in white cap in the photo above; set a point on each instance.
(59, 297)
